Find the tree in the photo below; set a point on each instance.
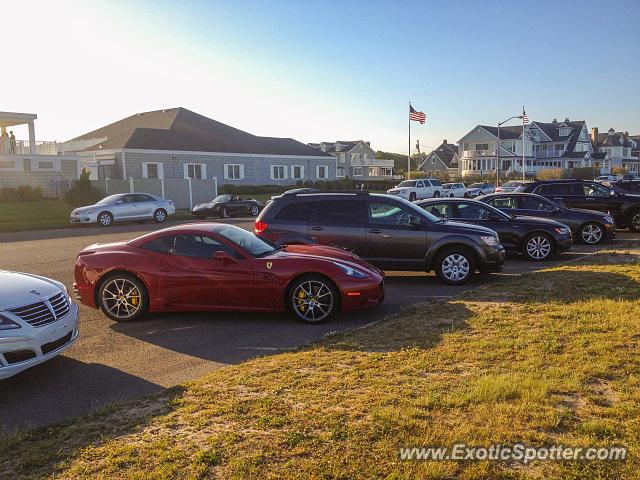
(82, 192)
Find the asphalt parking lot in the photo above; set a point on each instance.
(114, 362)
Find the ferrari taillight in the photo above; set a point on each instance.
(260, 227)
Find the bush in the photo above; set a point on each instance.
(24, 193)
(82, 192)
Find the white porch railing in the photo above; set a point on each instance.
(478, 153)
(23, 147)
(371, 162)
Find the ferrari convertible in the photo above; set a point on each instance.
(220, 267)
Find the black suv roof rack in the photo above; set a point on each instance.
(359, 192)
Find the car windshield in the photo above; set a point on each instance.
(476, 185)
(222, 198)
(254, 245)
(407, 183)
(109, 200)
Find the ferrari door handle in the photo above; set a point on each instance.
(316, 229)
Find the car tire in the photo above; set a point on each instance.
(304, 295)
(436, 194)
(591, 233)
(455, 265)
(412, 197)
(160, 215)
(255, 210)
(122, 297)
(633, 223)
(466, 195)
(451, 196)
(105, 219)
(538, 247)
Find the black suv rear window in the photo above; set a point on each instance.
(296, 212)
(557, 189)
(338, 212)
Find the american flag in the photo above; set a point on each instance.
(525, 118)
(416, 116)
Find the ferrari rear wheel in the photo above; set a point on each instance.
(123, 297)
(313, 298)
(255, 210)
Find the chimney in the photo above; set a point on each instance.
(566, 120)
(368, 144)
(611, 131)
(594, 134)
(445, 141)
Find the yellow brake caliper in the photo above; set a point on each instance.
(301, 296)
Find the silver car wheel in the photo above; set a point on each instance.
(312, 301)
(121, 298)
(635, 221)
(255, 210)
(455, 267)
(538, 247)
(591, 233)
(160, 216)
(105, 219)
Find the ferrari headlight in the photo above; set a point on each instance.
(608, 219)
(491, 241)
(7, 324)
(352, 272)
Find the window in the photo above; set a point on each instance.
(195, 170)
(433, 160)
(140, 197)
(340, 172)
(537, 204)
(503, 202)
(338, 212)
(357, 171)
(472, 211)
(10, 164)
(436, 173)
(195, 246)
(322, 171)
(278, 172)
(386, 171)
(233, 171)
(153, 170)
(342, 158)
(482, 147)
(595, 190)
(383, 213)
(296, 212)
(297, 172)
(440, 210)
(355, 156)
(374, 171)
(45, 165)
(555, 189)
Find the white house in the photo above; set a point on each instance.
(442, 161)
(356, 159)
(619, 147)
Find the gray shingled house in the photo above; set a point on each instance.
(177, 143)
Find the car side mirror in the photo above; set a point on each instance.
(224, 258)
(415, 221)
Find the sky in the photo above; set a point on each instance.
(323, 70)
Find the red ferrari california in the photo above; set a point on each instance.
(220, 267)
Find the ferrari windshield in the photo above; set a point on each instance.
(222, 198)
(254, 245)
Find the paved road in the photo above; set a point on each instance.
(114, 362)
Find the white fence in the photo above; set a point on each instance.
(185, 193)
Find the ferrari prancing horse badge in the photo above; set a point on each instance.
(269, 265)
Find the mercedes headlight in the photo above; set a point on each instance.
(352, 272)
(7, 323)
(562, 230)
(491, 241)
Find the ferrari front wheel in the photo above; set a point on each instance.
(313, 298)
(123, 297)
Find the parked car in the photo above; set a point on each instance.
(630, 176)
(587, 226)
(607, 178)
(227, 205)
(220, 267)
(457, 190)
(627, 186)
(416, 189)
(536, 238)
(124, 207)
(624, 208)
(388, 231)
(511, 185)
(38, 321)
(480, 188)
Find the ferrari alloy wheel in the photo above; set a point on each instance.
(255, 210)
(313, 299)
(123, 297)
(160, 215)
(591, 233)
(105, 219)
(538, 247)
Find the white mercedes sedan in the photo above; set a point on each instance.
(38, 320)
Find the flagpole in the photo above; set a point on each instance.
(409, 157)
(523, 138)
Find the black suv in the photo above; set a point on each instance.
(624, 208)
(536, 238)
(388, 231)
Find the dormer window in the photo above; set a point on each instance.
(564, 131)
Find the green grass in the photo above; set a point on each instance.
(42, 214)
(552, 357)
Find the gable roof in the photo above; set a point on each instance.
(179, 129)
(446, 153)
(506, 133)
(345, 145)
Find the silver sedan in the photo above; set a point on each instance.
(124, 207)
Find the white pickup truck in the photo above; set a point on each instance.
(417, 189)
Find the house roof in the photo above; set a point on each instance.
(446, 152)
(506, 133)
(346, 145)
(615, 140)
(179, 129)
